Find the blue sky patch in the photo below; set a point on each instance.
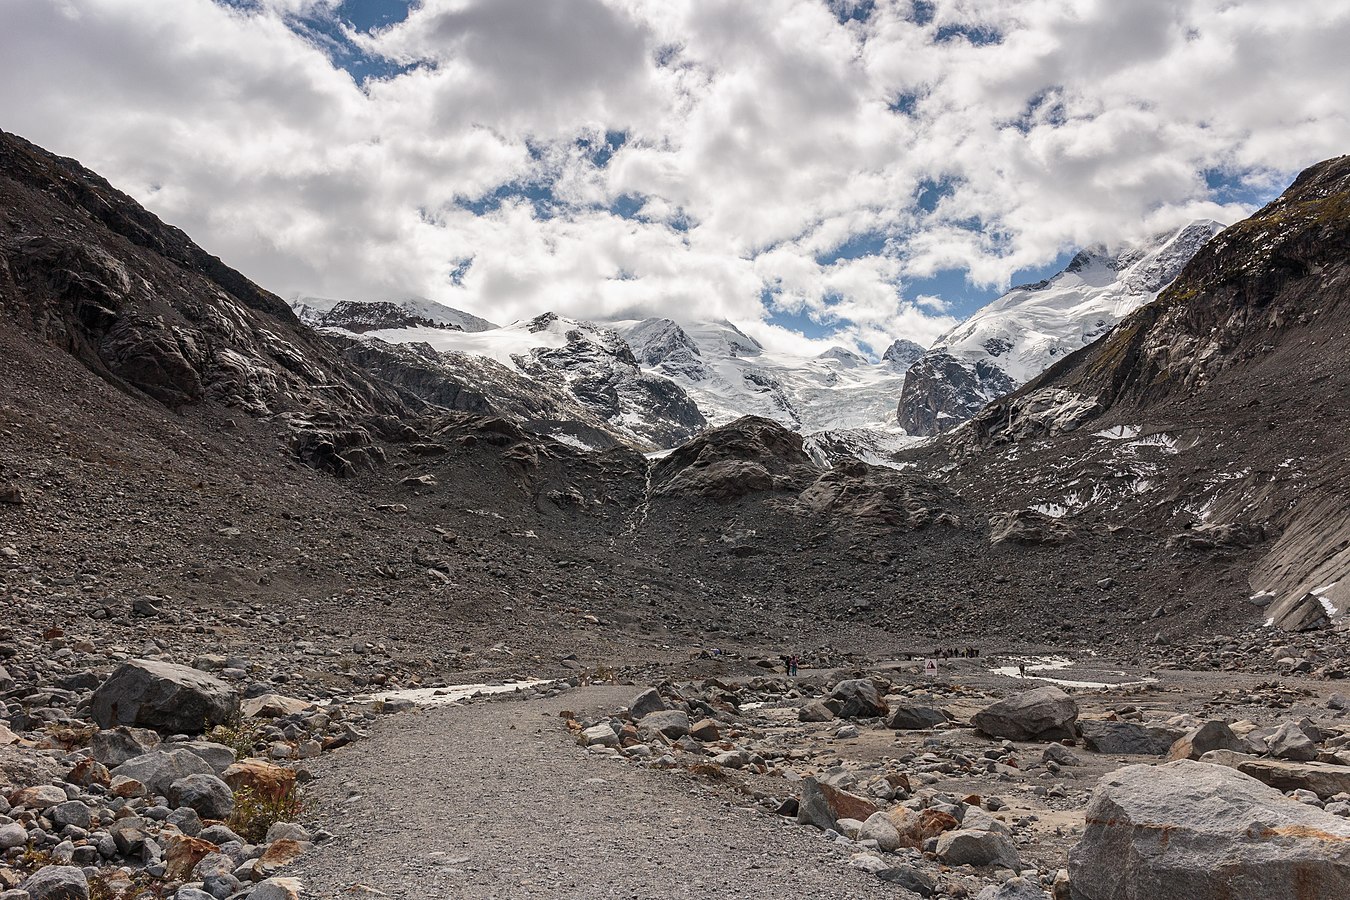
(979, 35)
(323, 28)
(963, 298)
(1236, 187)
(867, 243)
(852, 10)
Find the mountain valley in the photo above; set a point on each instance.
(332, 501)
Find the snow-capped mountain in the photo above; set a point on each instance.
(359, 316)
(542, 371)
(1032, 326)
(653, 383)
(729, 374)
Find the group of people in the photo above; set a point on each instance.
(789, 664)
(956, 653)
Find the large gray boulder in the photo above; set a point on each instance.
(973, 847)
(671, 723)
(1290, 742)
(858, 698)
(1194, 831)
(159, 769)
(1043, 714)
(57, 883)
(912, 717)
(218, 756)
(210, 797)
(815, 711)
(169, 698)
(1127, 738)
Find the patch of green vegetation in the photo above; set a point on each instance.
(254, 813)
(241, 737)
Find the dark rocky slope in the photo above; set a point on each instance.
(1209, 424)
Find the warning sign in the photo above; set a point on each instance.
(930, 668)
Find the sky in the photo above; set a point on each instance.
(818, 171)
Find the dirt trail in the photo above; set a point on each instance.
(495, 800)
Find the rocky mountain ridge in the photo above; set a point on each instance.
(652, 383)
(1207, 418)
(1026, 330)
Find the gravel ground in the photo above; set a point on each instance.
(494, 800)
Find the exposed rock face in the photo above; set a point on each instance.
(362, 317)
(1193, 831)
(875, 498)
(580, 379)
(1045, 412)
(751, 455)
(1031, 327)
(940, 392)
(169, 698)
(1043, 714)
(1191, 403)
(902, 354)
(359, 316)
(1028, 526)
(664, 344)
(598, 368)
(136, 302)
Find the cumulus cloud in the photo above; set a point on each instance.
(770, 162)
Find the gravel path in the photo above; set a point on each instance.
(495, 800)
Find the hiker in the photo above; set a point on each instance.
(1022, 670)
(792, 665)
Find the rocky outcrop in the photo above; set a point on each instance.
(85, 269)
(1028, 527)
(751, 455)
(902, 354)
(876, 498)
(1193, 831)
(359, 318)
(940, 392)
